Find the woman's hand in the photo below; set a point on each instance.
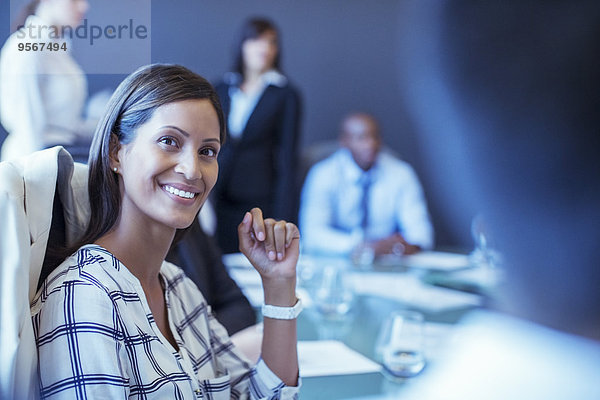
(273, 248)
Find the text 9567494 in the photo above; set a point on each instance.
(43, 46)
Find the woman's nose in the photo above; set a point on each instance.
(189, 166)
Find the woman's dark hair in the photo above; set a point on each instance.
(252, 29)
(131, 105)
(29, 9)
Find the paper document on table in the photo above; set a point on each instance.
(250, 282)
(255, 295)
(245, 277)
(331, 357)
(410, 290)
(236, 260)
(438, 260)
(485, 278)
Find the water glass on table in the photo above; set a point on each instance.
(334, 295)
(400, 345)
(363, 255)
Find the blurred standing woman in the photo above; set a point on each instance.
(43, 92)
(259, 162)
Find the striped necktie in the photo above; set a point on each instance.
(364, 204)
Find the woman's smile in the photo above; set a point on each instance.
(179, 192)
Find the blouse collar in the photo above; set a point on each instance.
(352, 171)
(270, 77)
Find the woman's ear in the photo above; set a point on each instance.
(113, 149)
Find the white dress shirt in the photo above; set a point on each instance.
(330, 210)
(42, 94)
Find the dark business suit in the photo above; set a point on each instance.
(259, 169)
(199, 256)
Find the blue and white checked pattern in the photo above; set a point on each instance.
(96, 338)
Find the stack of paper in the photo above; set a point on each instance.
(437, 260)
(331, 357)
(410, 290)
(236, 260)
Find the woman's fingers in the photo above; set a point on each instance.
(275, 236)
(270, 249)
(258, 224)
(291, 233)
(245, 236)
(279, 230)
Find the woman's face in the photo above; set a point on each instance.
(67, 12)
(168, 170)
(259, 53)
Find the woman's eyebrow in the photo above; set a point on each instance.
(184, 133)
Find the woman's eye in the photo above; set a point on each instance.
(209, 152)
(167, 140)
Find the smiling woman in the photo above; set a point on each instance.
(129, 322)
(173, 164)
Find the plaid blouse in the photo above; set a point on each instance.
(96, 338)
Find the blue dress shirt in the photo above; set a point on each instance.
(330, 210)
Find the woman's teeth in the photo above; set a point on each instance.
(180, 193)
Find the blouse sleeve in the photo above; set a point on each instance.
(259, 381)
(79, 341)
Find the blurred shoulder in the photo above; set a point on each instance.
(14, 60)
(391, 163)
(284, 85)
(337, 160)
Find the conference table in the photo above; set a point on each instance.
(338, 357)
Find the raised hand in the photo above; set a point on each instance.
(271, 246)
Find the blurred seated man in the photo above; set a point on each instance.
(361, 194)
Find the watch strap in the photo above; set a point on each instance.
(276, 312)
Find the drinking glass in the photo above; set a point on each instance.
(485, 256)
(400, 344)
(485, 253)
(363, 255)
(334, 295)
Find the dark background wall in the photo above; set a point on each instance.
(344, 55)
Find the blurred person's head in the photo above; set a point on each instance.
(62, 12)
(258, 47)
(359, 133)
(509, 93)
